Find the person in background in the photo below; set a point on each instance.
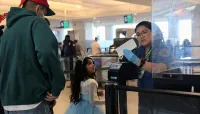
(169, 45)
(96, 50)
(112, 49)
(69, 52)
(84, 98)
(68, 47)
(78, 47)
(186, 49)
(177, 50)
(95, 47)
(30, 72)
(60, 44)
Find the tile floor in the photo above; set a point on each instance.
(63, 102)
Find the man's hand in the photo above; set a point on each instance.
(50, 97)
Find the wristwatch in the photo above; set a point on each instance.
(142, 62)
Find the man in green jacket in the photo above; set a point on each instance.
(30, 72)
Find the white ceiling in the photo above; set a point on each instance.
(106, 11)
(140, 2)
(83, 9)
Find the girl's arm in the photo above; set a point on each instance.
(93, 95)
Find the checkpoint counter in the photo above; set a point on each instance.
(176, 80)
(169, 84)
(188, 65)
(153, 101)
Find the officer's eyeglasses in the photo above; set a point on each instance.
(142, 33)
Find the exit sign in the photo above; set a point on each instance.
(128, 18)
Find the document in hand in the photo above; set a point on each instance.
(131, 44)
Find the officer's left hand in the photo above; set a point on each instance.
(130, 56)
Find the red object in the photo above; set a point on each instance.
(41, 2)
(2, 17)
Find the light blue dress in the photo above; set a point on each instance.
(85, 106)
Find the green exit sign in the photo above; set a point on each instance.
(128, 18)
(64, 24)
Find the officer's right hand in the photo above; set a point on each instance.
(131, 56)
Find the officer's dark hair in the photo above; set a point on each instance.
(147, 24)
(157, 33)
(150, 26)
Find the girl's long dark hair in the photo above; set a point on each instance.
(80, 74)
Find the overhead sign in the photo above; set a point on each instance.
(128, 18)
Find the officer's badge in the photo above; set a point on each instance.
(164, 53)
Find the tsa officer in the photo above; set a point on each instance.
(152, 56)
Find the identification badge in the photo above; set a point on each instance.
(141, 74)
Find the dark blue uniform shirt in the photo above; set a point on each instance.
(158, 55)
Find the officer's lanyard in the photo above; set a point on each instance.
(147, 58)
(148, 55)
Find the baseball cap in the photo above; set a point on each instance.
(43, 3)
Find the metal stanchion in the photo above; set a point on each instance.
(123, 99)
(111, 99)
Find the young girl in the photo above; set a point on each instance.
(84, 99)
